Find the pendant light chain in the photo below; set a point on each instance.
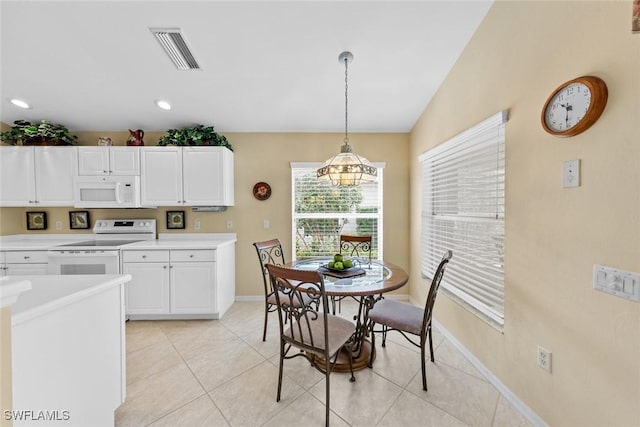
(346, 101)
(346, 168)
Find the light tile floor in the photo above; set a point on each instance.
(221, 373)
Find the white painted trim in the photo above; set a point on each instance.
(514, 400)
(495, 120)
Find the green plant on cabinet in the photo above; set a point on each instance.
(44, 133)
(196, 135)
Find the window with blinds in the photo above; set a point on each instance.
(321, 212)
(463, 210)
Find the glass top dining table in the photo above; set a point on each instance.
(378, 278)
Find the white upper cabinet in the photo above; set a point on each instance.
(109, 161)
(37, 176)
(17, 176)
(161, 176)
(186, 176)
(207, 176)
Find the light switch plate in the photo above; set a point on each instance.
(623, 284)
(571, 173)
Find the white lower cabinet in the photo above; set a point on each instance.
(23, 263)
(148, 291)
(175, 283)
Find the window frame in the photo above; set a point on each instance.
(475, 277)
(338, 215)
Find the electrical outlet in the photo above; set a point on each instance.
(229, 223)
(58, 225)
(196, 224)
(266, 224)
(544, 359)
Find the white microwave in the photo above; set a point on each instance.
(107, 191)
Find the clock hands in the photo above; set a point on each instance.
(568, 108)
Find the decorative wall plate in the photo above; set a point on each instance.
(262, 191)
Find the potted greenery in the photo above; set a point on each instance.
(196, 135)
(44, 133)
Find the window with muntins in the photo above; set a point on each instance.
(463, 183)
(321, 212)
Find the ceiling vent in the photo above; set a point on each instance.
(175, 46)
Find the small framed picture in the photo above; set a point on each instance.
(175, 219)
(36, 220)
(79, 220)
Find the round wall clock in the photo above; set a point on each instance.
(574, 106)
(262, 191)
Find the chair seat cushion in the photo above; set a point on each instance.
(271, 299)
(340, 330)
(398, 315)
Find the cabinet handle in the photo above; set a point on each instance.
(191, 256)
(171, 266)
(104, 171)
(164, 266)
(144, 256)
(26, 257)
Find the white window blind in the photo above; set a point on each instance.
(321, 212)
(463, 210)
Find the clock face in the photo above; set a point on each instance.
(568, 107)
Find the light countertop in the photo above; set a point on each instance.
(42, 242)
(22, 242)
(49, 293)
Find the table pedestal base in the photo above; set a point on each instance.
(359, 363)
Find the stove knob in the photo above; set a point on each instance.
(147, 224)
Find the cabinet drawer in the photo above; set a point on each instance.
(197, 255)
(26, 257)
(145, 256)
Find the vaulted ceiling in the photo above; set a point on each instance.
(265, 66)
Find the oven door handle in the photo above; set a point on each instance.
(82, 254)
(118, 199)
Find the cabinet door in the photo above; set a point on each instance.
(208, 176)
(55, 168)
(148, 290)
(193, 288)
(17, 176)
(161, 176)
(124, 160)
(93, 160)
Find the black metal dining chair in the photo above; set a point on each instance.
(359, 249)
(301, 302)
(409, 319)
(269, 252)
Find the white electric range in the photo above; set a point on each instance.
(101, 255)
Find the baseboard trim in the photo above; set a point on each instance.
(513, 399)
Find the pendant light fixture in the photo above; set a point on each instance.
(346, 168)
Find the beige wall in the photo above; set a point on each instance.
(554, 236)
(264, 157)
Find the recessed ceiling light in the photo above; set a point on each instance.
(163, 104)
(19, 103)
